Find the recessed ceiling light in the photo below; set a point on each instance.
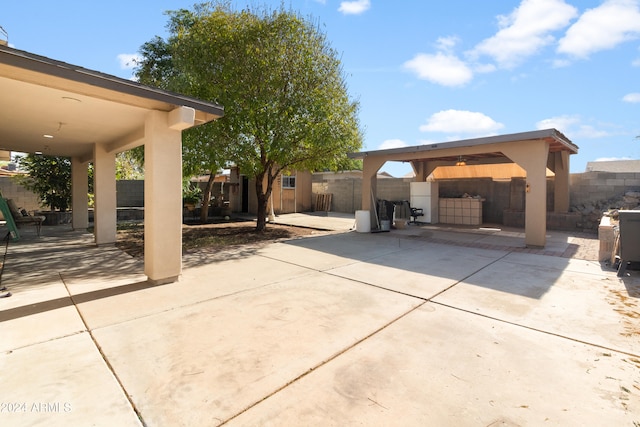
(46, 135)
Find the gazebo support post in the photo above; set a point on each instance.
(532, 157)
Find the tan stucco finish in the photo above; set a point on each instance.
(532, 151)
(90, 117)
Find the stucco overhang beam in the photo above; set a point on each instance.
(132, 140)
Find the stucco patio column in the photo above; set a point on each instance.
(420, 170)
(561, 181)
(104, 186)
(532, 157)
(163, 195)
(79, 194)
(370, 168)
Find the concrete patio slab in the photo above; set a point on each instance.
(325, 252)
(540, 294)
(440, 366)
(333, 221)
(202, 364)
(63, 382)
(137, 298)
(556, 241)
(38, 323)
(420, 271)
(303, 332)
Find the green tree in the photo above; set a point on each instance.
(281, 84)
(128, 166)
(49, 177)
(202, 152)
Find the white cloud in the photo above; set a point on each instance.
(128, 60)
(446, 44)
(560, 63)
(484, 68)
(392, 143)
(603, 27)
(459, 121)
(355, 7)
(441, 68)
(525, 31)
(632, 97)
(572, 126)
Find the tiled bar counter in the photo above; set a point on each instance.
(463, 211)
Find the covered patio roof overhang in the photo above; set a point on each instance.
(534, 151)
(55, 108)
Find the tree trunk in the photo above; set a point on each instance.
(263, 200)
(206, 198)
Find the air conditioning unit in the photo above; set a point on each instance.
(629, 239)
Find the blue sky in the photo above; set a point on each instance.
(423, 71)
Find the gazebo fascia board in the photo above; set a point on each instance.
(534, 151)
(489, 146)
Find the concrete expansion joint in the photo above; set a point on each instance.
(102, 355)
(324, 362)
(45, 341)
(469, 275)
(497, 319)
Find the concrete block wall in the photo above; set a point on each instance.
(497, 195)
(130, 193)
(394, 189)
(590, 187)
(347, 193)
(23, 197)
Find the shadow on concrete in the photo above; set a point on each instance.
(42, 266)
(200, 257)
(452, 257)
(54, 304)
(631, 281)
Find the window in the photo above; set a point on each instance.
(288, 182)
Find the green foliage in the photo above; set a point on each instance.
(49, 177)
(128, 166)
(281, 84)
(190, 193)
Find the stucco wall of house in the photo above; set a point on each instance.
(285, 200)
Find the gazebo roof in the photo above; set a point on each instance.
(557, 142)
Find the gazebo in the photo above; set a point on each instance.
(534, 151)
